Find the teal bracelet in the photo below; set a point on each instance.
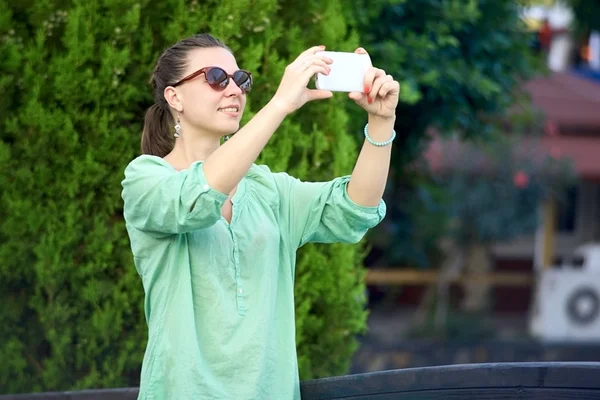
(379, 144)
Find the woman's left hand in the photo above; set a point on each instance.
(381, 92)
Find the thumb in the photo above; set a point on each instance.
(317, 94)
(358, 97)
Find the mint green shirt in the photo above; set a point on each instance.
(219, 296)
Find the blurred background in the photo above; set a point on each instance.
(490, 250)
(499, 225)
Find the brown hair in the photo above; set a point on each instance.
(157, 137)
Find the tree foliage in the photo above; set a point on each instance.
(74, 80)
(586, 14)
(494, 189)
(460, 64)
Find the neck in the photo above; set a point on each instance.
(190, 148)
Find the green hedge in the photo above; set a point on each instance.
(74, 83)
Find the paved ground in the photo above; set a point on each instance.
(389, 345)
(389, 323)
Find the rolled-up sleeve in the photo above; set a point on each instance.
(323, 212)
(161, 201)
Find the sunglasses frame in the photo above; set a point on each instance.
(207, 69)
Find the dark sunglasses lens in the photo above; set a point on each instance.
(217, 78)
(243, 80)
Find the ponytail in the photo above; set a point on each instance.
(157, 138)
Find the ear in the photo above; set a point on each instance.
(172, 96)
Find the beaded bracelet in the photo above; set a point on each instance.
(379, 144)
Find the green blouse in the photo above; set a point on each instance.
(219, 296)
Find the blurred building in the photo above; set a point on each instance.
(569, 100)
(570, 103)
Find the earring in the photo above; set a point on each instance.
(177, 128)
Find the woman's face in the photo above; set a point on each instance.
(207, 109)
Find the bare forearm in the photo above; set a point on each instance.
(370, 173)
(227, 165)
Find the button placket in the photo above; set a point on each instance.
(240, 292)
(241, 307)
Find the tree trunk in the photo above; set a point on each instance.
(477, 294)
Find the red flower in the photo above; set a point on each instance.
(520, 179)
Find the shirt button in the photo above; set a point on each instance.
(205, 187)
(241, 291)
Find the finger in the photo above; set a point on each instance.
(323, 58)
(389, 88)
(309, 62)
(310, 51)
(378, 84)
(305, 55)
(315, 69)
(360, 50)
(378, 80)
(358, 97)
(369, 79)
(318, 94)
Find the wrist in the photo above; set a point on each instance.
(383, 121)
(380, 135)
(380, 128)
(278, 107)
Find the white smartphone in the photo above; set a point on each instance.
(347, 72)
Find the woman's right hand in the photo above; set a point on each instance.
(293, 92)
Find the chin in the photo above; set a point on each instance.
(228, 129)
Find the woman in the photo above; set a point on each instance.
(214, 236)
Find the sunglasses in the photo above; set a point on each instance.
(218, 78)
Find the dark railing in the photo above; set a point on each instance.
(548, 381)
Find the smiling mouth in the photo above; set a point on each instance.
(230, 109)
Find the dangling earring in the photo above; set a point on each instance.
(177, 128)
(226, 138)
